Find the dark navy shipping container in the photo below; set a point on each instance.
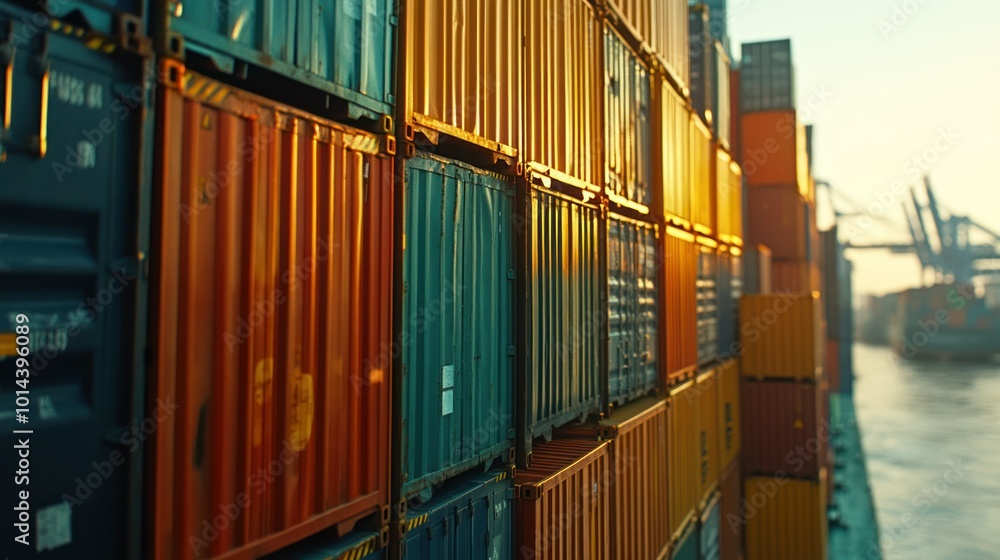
(767, 78)
(710, 537)
(632, 310)
(472, 518)
(458, 332)
(340, 47)
(706, 293)
(729, 290)
(686, 547)
(74, 193)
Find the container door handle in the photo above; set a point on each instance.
(43, 121)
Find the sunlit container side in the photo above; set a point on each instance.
(563, 111)
(358, 545)
(773, 151)
(792, 522)
(757, 269)
(776, 217)
(731, 512)
(472, 517)
(339, 49)
(565, 317)
(633, 353)
(458, 319)
(781, 428)
(672, 159)
(729, 433)
(707, 300)
(74, 239)
(729, 198)
(709, 527)
(668, 37)
(465, 81)
(794, 276)
(683, 456)
(273, 321)
(730, 290)
(679, 277)
(721, 112)
(781, 336)
(687, 545)
(703, 204)
(627, 171)
(768, 77)
(563, 507)
(707, 395)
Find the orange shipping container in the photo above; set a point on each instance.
(663, 25)
(773, 150)
(776, 217)
(564, 89)
(731, 526)
(563, 507)
(791, 520)
(464, 80)
(707, 395)
(702, 174)
(683, 464)
(832, 369)
(757, 277)
(729, 413)
(272, 307)
(796, 276)
(671, 143)
(781, 336)
(678, 275)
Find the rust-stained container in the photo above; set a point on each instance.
(729, 413)
(679, 275)
(703, 205)
(794, 276)
(790, 523)
(729, 198)
(559, 292)
(781, 336)
(731, 528)
(563, 112)
(627, 169)
(773, 150)
(707, 300)
(464, 80)
(707, 394)
(757, 269)
(563, 507)
(782, 428)
(776, 217)
(672, 164)
(683, 456)
(272, 316)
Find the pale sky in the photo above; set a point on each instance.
(896, 73)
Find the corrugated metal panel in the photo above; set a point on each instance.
(74, 233)
(791, 523)
(466, 80)
(564, 307)
(757, 270)
(729, 290)
(668, 36)
(683, 456)
(729, 198)
(731, 529)
(776, 218)
(686, 547)
(671, 142)
(795, 276)
(781, 336)
(680, 314)
(768, 76)
(473, 518)
(633, 355)
(781, 428)
(707, 298)
(702, 48)
(563, 113)
(457, 319)
(276, 246)
(627, 139)
(721, 112)
(703, 205)
(737, 210)
(729, 413)
(711, 519)
(773, 150)
(707, 394)
(343, 48)
(563, 507)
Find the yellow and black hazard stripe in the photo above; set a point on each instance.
(204, 89)
(360, 551)
(415, 522)
(97, 43)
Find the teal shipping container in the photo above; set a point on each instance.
(730, 290)
(710, 521)
(113, 24)
(707, 296)
(457, 333)
(343, 48)
(686, 547)
(632, 310)
(75, 175)
(627, 136)
(358, 545)
(472, 518)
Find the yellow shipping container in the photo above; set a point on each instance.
(663, 26)
(786, 519)
(707, 391)
(563, 111)
(682, 456)
(702, 166)
(671, 135)
(781, 336)
(465, 80)
(729, 413)
(729, 198)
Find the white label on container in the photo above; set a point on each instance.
(448, 376)
(447, 402)
(53, 524)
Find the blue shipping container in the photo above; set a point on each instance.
(341, 47)
(458, 332)
(627, 133)
(474, 518)
(710, 536)
(74, 209)
(632, 310)
(707, 297)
